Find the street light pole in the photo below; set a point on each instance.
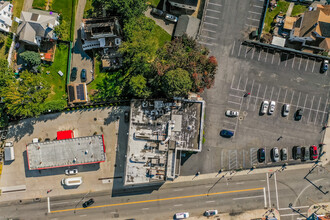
(80, 201)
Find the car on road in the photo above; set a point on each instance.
(261, 155)
(83, 75)
(172, 18)
(74, 73)
(284, 154)
(210, 212)
(298, 115)
(296, 152)
(285, 110)
(71, 172)
(231, 113)
(325, 66)
(275, 154)
(226, 133)
(313, 152)
(126, 116)
(182, 215)
(305, 154)
(264, 107)
(88, 203)
(157, 12)
(271, 108)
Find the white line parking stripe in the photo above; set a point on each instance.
(253, 19)
(253, 12)
(266, 55)
(246, 51)
(235, 96)
(300, 63)
(239, 82)
(234, 102)
(210, 31)
(213, 10)
(292, 97)
(306, 65)
(313, 66)
(232, 51)
(257, 6)
(248, 103)
(298, 99)
(293, 62)
(254, 49)
(278, 96)
(210, 23)
(273, 58)
(239, 51)
(208, 37)
(317, 111)
(214, 4)
(232, 82)
(201, 42)
(271, 94)
(211, 17)
(286, 91)
(305, 101)
(251, 25)
(310, 110)
(254, 107)
(325, 107)
(265, 92)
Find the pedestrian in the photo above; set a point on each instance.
(279, 138)
(247, 94)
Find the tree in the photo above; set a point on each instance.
(31, 58)
(4, 73)
(62, 30)
(138, 87)
(25, 97)
(176, 82)
(126, 9)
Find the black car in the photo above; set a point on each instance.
(296, 152)
(126, 116)
(298, 115)
(83, 75)
(261, 155)
(226, 133)
(284, 154)
(157, 12)
(74, 73)
(88, 203)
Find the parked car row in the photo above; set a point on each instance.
(82, 74)
(161, 13)
(302, 153)
(270, 107)
(183, 215)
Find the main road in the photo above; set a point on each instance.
(226, 193)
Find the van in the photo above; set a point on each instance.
(73, 181)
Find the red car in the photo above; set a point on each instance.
(313, 152)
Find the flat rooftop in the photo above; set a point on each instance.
(68, 152)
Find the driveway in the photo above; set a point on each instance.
(80, 59)
(167, 26)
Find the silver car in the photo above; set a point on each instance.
(272, 107)
(231, 113)
(172, 18)
(286, 110)
(264, 107)
(71, 172)
(275, 154)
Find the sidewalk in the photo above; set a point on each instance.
(322, 209)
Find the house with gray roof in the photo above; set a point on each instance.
(36, 26)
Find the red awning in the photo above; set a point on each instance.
(61, 135)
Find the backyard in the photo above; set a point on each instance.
(282, 7)
(18, 6)
(56, 81)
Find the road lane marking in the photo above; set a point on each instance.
(265, 199)
(48, 204)
(164, 199)
(269, 202)
(210, 201)
(59, 203)
(82, 215)
(293, 214)
(178, 205)
(248, 197)
(299, 207)
(145, 208)
(277, 203)
(176, 190)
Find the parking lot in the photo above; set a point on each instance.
(266, 74)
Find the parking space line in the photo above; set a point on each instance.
(232, 82)
(293, 61)
(213, 10)
(266, 55)
(253, 12)
(235, 96)
(325, 107)
(239, 51)
(310, 110)
(286, 60)
(265, 92)
(306, 65)
(259, 54)
(239, 82)
(232, 51)
(251, 25)
(211, 17)
(305, 101)
(286, 91)
(248, 103)
(278, 96)
(298, 99)
(229, 122)
(201, 42)
(317, 111)
(246, 52)
(246, 83)
(253, 52)
(210, 23)
(279, 60)
(313, 65)
(257, 6)
(292, 97)
(254, 107)
(300, 63)
(273, 58)
(211, 3)
(234, 102)
(208, 37)
(210, 31)
(253, 19)
(271, 94)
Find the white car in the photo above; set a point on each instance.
(231, 113)
(71, 172)
(286, 110)
(182, 215)
(271, 107)
(211, 212)
(264, 107)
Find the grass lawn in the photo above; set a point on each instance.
(88, 6)
(154, 3)
(40, 4)
(3, 54)
(66, 8)
(56, 81)
(161, 35)
(282, 6)
(298, 9)
(98, 76)
(18, 6)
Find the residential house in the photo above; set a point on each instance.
(6, 11)
(36, 26)
(311, 31)
(188, 5)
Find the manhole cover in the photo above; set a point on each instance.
(240, 118)
(245, 113)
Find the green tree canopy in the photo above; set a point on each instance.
(138, 87)
(176, 82)
(31, 58)
(24, 97)
(126, 9)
